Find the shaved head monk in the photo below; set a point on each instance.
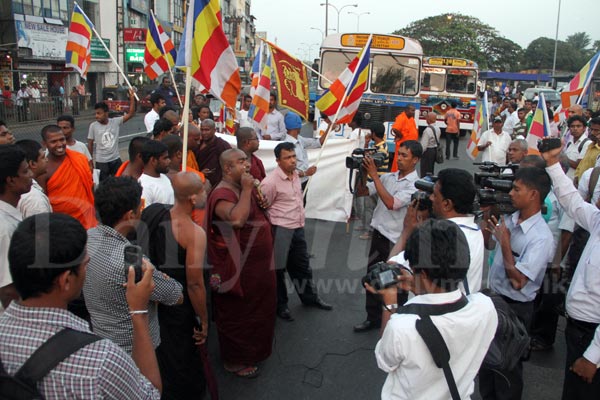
(134, 167)
(68, 179)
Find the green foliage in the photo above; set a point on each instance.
(457, 35)
(540, 53)
(579, 40)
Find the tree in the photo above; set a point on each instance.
(540, 53)
(456, 35)
(579, 40)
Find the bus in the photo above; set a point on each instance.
(445, 80)
(394, 75)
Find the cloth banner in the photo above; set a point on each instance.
(292, 81)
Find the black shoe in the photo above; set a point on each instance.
(319, 303)
(285, 314)
(366, 326)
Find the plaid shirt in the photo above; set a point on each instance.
(99, 370)
(105, 295)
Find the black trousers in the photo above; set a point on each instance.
(506, 384)
(108, 168)
(379, 251)
(428, 161)
(291, 254)
(546, 310)
(579, 335)
(452, 138)
(181, 369)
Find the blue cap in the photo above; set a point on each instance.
(293, 121)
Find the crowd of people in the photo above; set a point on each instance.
(215, 242)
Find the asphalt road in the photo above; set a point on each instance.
(318, 356)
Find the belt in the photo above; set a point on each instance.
(588, 326)
(512, 301)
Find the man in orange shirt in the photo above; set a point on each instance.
(68, 179)
(452, 119)
(404, 128)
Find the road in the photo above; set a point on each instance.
(318, 356)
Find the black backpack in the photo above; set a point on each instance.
(23, 385)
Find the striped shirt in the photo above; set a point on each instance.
(99, 370)
(105, 295)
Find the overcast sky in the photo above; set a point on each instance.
(289, 21)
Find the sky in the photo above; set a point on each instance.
(289, 22)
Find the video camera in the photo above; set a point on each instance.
(494, 186)
(382, 275)
(425, 186)
(355, 162)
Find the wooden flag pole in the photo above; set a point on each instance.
(162, 47)
(186, 111)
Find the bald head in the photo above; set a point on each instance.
(431, 117)
(185, 185)
(229, 157)
(172, 116)
(575, 110)
(193, 137)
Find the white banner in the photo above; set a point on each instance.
(328, 196)
(45, 40)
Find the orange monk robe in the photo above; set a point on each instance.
(192, 162)
(407, 127)
(70, 189)
(198, 215)
(122, 168)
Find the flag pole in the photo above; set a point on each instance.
(162, 47)
(333, 121)
(186, 111)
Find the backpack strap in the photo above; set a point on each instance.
(433, 338)
(581, 144)
(53, 352)
(593, 182)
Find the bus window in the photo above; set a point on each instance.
(335, 62)
(434, 79)
(395, 75)
(461, 81)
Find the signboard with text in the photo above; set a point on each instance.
(134, 55)
(98, 51)
(45, 40)
(133, 35)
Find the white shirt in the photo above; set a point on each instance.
(10, 218)
(34, 202)
(149, 119)
(80, 147)
(156, 190)
(276, 125)
(584, 185)
(510, 122)
(583, 298)
(476, 250)
(106, 139)
(496, 152)
(572, 151)
(390, 222)
(35, 94)
(430, 134)
(402, 353)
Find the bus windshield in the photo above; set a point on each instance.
(335, 62)
(436, 79)
(392, 74)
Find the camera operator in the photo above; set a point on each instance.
(394, 191)
(583, 298)
(524, 247)
(438, 253)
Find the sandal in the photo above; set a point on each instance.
(248, 372)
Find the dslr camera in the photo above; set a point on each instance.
(382, 275)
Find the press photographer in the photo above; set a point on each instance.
(393, 191)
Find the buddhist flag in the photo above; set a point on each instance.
(576, 89)
(159, 53)
(255, 73)
(260, 102)
(205, 49)
(540, 126)
(226, 118)
(292, 81)
(78, 54)
(345, 93)
(480, 125)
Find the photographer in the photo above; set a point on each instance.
(439, 256)
(524, 247)
(583, 299)
(394, 191)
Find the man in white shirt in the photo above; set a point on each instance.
(582, 333)
(577, 144)
(35, 201)
(438, 253)
(242, 115)
(67, 124)
(156, 186)
(293, 124)
(157, 101)
(15, 181)
(511, 119)
(494, 143)
(23, 102)
(394, 191)
(275, 123)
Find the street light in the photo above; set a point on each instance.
(555, 47)
(358, 18)
(338, 12)
(320, 30)
(310, 46)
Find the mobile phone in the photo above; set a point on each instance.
(133, 256)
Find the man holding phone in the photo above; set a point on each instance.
(118, 203)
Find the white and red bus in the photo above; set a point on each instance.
(445, 80)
